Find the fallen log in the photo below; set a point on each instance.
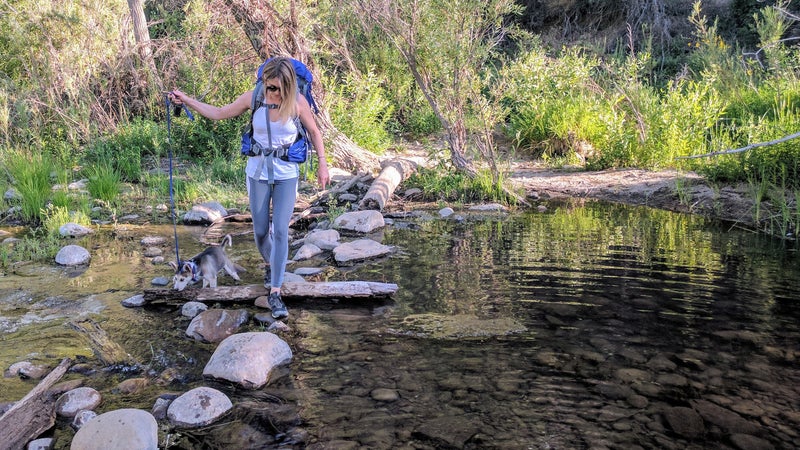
(34, 414)
(381, 190)
(104, 348)
(322, 290)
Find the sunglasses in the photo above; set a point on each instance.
(272, 88)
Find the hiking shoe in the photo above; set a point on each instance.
(279, 310)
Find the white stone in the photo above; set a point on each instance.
(359, 250)
(82, 418)
(192, 309)
(199, 407)
(324, 239)
(72, 255)
(360, 221)
(72, 229)
(307, 251)
(121, 429)
(134, 302)
(149, 241)
(77, 399)
(488, 207)
(205, 213)
(41, 444)
(248, 359)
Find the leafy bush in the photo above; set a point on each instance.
(124, 149)
(359, 108)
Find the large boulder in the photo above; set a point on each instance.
(248, 359)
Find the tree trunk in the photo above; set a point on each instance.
(272, 34)
(142, 35)
(381, 190)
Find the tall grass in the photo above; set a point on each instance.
(105, 183)
(607, 111)
(30, 177)
(56, 216)
(452, 186)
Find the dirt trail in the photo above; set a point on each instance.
(668, 189)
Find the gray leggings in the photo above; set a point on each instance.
(272, 243)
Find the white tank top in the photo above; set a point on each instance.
(282, 134)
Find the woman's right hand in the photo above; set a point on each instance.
(177, 97)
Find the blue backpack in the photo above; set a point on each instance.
(297, 152)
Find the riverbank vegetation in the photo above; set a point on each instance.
(80, 98)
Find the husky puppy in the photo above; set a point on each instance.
(205, 265)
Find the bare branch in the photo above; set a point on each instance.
(745, 148)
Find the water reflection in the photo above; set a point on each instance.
(589, 326)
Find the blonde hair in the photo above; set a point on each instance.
(281, 68)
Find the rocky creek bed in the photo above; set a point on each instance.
(626, 397)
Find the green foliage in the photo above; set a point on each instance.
(38, 246)
(359, 108)
(30, 177)
(452, 186)
(204, 139)
(56, 216)
(104, 183)
(125, 148)
(223, 181)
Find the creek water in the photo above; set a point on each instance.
(591, 325)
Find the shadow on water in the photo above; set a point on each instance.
(589, 326)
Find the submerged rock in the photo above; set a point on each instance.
(121, 429)
(439, 326)
(214, 325)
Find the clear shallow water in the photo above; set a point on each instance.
(584, 327)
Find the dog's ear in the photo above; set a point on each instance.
(174, 266)
(187, 267)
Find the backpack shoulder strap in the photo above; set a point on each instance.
(258, 96)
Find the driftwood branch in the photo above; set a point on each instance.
(34, 414)
(320, 290)
(104, 348)
(745, 148)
